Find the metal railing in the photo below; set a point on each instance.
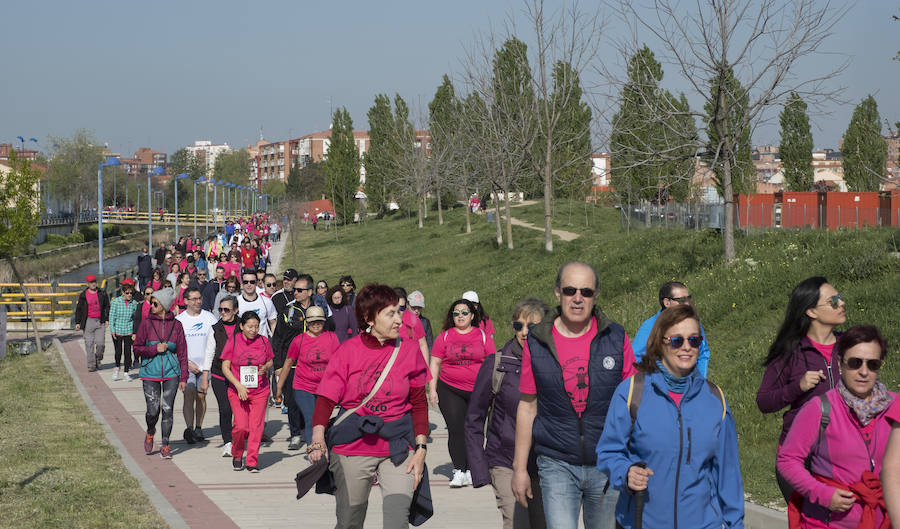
(185, 219)
(54, 300)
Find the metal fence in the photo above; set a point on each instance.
(672, 215)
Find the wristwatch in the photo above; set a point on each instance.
(422, 446)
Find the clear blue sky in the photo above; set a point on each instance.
(163, 74)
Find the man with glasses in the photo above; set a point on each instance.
(251, 300)
(92, 316)
(562, 412)
(270, 284)
(282, 297)
(670, 294)
(197, 324)
(292, 323)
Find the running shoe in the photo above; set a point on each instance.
(189, 436)
(284, 410)
(165, 452)
(276, 403)
(467, 478)
(148, 443)
(198, 435)
(237, 464)
(226, 450)
(116, 374)
(253, 470)
(127, 377)
(295, 443)
(459, 479)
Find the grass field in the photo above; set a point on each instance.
(740, 305)
(58, 469)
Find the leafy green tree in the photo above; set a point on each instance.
(233, 167)
(728, 135)
(443, 125)
(306, 183)
(183, 161)
(572, 153)
(380, 156)
(275, 189)
(73, 170)
(20, 209)
(864, 149)
(796, 145)
(342, 166)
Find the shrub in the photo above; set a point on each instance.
(75, 238)
(55, 239)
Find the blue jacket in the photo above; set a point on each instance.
(639, 344)
(691, 448)
(558, 431)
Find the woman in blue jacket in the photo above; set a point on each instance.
(670, 433)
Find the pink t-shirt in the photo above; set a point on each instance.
(893, 413)
(311, 354)
(352, 373)
(676, 397)
(824, 349)
(232, 269)
(462, 355)
(412, 326)
(242, 352)
(93, 304)
(574, 354)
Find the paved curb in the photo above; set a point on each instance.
(162, 505)
(759, 517)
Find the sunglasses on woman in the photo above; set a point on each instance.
(873, 364)
(457, 313)
(834, 301)
(517, 326)
(676, 342)
(585, 292)
(224, 310)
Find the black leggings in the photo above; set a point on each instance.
(122, 344)
(453, 403)
(220, 388)
(160, 397)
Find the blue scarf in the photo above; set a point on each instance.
(676, 384)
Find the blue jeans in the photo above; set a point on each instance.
(306, 401)
(568, 488)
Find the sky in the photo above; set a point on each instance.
(164, 74)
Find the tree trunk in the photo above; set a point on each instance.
(77, 215)
(497, 222)
(419, 202)
(468, 212)
(440, 210)
(37, 335)
(548, 195)
(509, 239)
(425, 205)
(728, 234)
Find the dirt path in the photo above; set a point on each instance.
(562, 234)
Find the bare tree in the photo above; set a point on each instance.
(732, 53)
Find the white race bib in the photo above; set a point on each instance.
(248, 377)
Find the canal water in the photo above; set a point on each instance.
(111, 266)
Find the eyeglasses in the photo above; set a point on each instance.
(585, 292)
(195, 298)
(458, 313)
(676, 342)
(148, 293)
(155, 303)
(834, 301)
(402, 308)
(346, 284)
(321, 286)
(517, 326)
(682, 299)
(874, 364)
(249, 281)
(270, 284)
(224, 310)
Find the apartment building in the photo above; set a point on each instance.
(206, 152)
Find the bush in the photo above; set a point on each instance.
(55, 239)
(89, 231)
(75, 238)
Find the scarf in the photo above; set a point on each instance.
(866, 409)
(676, 384)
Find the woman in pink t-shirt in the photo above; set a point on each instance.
(398, 411)
(456, 357)
(310, 351)
(246, 358)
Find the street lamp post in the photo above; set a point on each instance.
(215, 203)
(156, 171)
(177, 178)
(108, 163)
(195, 207)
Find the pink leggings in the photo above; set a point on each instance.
(249, 420)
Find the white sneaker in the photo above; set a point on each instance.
(467, 477)
(226, 450)
(459, 479)
(127, 377)
(116, 374)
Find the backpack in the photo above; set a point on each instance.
(496, 383)
(636, 391)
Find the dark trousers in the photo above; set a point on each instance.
(295, 419)
(122, 345)
(160, 398)
(454, 403)
(220, 388)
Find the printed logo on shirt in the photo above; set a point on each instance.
(196, 327)
(579, 376)
(316, 359)
(608, 363)
(462, 356)
(366, 382)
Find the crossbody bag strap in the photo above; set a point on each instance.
(375, 388)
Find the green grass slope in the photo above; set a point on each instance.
(740, 305)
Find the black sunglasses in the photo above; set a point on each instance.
(270, 284)
(517, 326)
(570, 291)
(461, 313)
(249, 281)
(402, 308)
(682, 299)
(225, 310)
(675, 342)
(834, 301)
(874, 364)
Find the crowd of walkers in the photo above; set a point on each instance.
(568, 419)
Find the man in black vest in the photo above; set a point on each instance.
(572, 362)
